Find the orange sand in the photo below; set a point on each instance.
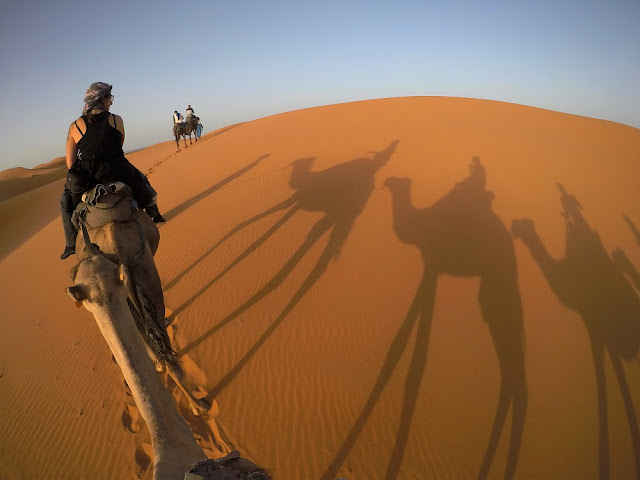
(292, 388)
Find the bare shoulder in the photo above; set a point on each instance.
(119, 121)
(74, 126)
(79, 121)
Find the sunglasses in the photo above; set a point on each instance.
(111, 97)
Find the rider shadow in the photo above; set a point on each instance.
(587, 280)
(634, 229)
(458, 235)
(622, 261)
(175, 211)
(341, 193)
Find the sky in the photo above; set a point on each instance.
(239, 60)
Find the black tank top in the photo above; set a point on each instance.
(99, 149)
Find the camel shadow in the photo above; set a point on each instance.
(590, 282)
(458, 235)
(622, 261)
(175, 211)
(341, 193)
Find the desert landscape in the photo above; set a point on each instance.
(410, 288)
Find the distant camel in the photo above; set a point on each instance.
(103, 288)
(128, 236)
(192, 126)
(181, 130)
(591, 283)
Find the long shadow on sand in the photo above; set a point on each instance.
(458, 235)
(593, 284)
(622, 261)
(340, 192)
(174, 212)
(634, 229)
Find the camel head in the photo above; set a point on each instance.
(97, 279)
(302, 163)
(382, 157)
(301, 168)
(397, 184)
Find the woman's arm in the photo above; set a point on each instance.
(119, 126)
(72, 148)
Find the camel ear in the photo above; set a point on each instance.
(78, 295)
(74, 271)
(123, 274)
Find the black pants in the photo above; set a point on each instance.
(68, 203)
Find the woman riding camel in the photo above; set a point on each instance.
(95, 156)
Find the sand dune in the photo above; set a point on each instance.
(303, 297)
(19, 180)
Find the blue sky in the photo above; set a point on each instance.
(239, 60)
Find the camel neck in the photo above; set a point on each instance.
(174, 446)
(538, 250)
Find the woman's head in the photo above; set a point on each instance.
(97, 97)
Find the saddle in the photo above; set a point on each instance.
(103, 204)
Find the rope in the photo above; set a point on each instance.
(143, 240)
(85, 234)
(104, 218)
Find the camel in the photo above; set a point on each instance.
(128, 236)
(593, 284)
(192, 126)
(621, 260)
(103, 288)
(460, 235)
(181, 130)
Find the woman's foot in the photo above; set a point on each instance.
(68, 251)
(154, 213)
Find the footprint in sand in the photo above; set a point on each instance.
(204, 428)
(127, 390)
(157, 164)
(133, 423)
(131, 419)
(144, 457)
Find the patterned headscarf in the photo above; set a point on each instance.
(94, 94)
